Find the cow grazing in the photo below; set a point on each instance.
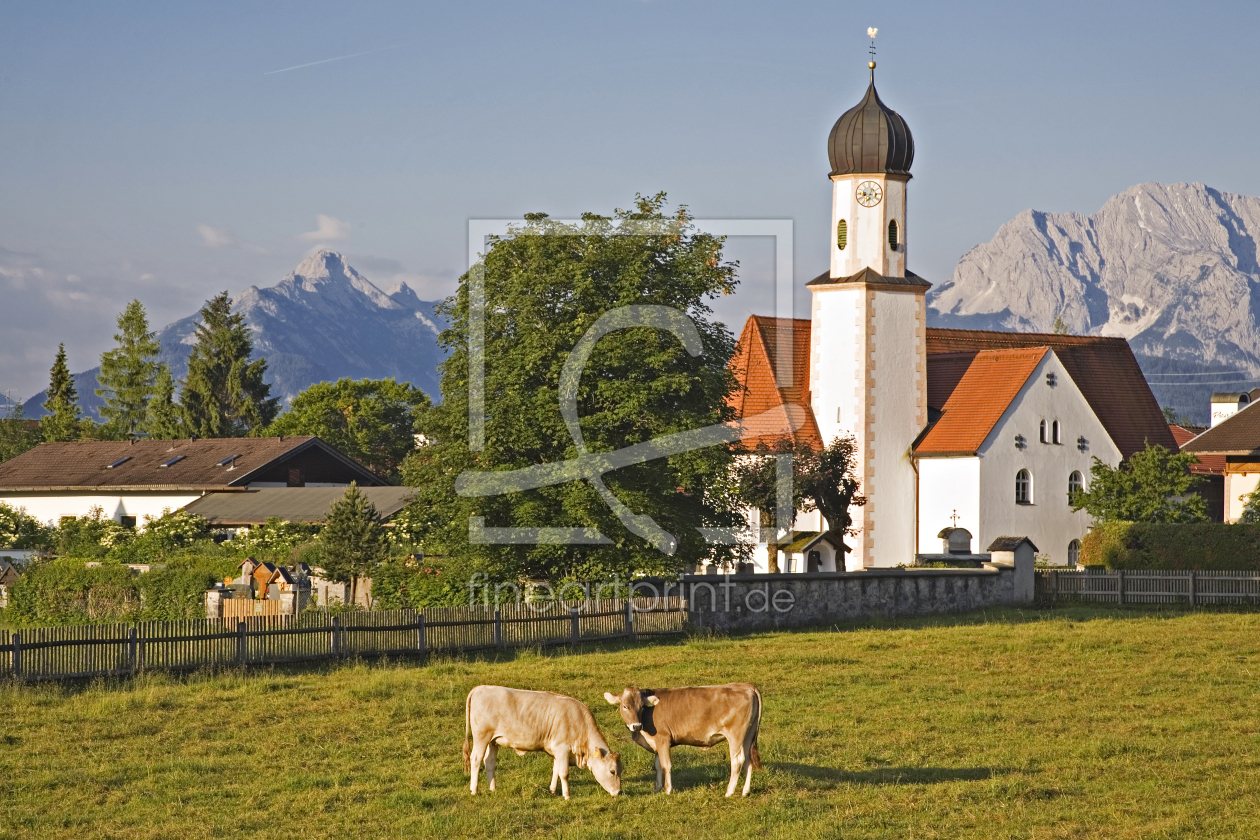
(534, 721)
(696, 717)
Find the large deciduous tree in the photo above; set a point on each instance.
(544, 285)
(353, 540)
(371, 420)
(1153, 485)
(224, 394)
(63, 420)
(128, 373)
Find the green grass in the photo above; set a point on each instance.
(1080, 722)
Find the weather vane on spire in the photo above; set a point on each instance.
(870, 30)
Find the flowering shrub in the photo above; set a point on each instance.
(18, 529)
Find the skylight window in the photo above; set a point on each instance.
(228, 460)
(172, 462)
(119, 462)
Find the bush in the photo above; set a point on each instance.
(402, 582)
(1199, 546)
(18, 529)
(92, 536)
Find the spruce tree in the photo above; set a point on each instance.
(16, 436)
(224, 394)
(127, 374)
(353, 539)
(63, 421)
(162, 416)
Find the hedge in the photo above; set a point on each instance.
(1199, 546)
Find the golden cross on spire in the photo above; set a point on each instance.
(870, 30)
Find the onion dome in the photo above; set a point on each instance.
(870, 138)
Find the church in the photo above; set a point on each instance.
(987, 431)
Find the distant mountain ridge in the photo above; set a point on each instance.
(1173, 268)
(322, 322)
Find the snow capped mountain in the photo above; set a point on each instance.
(322, 322)
(1170, 267)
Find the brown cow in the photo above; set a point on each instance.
(699, 716)
(536, 721)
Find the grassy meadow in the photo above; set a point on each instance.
(1077, 722)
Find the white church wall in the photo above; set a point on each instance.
(834, 373)
(1237, 487)
(948, 487)
(51, 507)
(1049, 520)
(867, 238)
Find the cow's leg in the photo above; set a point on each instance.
(738, 758)
(656, 762)
(662, 756)
(474, 762)
(748, 780)
(560, 770)
(492, 757)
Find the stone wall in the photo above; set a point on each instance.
(780, 601)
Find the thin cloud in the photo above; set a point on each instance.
(327, 229)
(213, 237)
(326, 60)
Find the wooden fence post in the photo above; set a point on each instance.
(420, 641)
(16, 660)
(1120, 586)
(241, 649)
(336, 637)
(498, 629)
(1054, 585)
(573, 625)
(630, 619)
(133, 657)
(1192, 592)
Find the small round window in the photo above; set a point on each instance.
(842, 234)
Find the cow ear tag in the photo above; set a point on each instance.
(651, 699)
(612, 699)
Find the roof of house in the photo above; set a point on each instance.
(1010, 543)
(190, 465)
(1208, 464)
(1103, 368)
(292, 504)
(773, 398)
(1238, 434)
(972, 391)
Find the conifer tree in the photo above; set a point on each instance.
(162, 416)
(127, 374)
(15, 435)
(63, 421)
(353, 539)
(224, 394)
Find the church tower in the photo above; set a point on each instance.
(868, 346)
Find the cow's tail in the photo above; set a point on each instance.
(753, 755)
(467, 729)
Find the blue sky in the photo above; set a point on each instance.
(152, 150)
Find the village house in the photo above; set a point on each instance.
(987, 431)
(1232, 447)
(131, 480)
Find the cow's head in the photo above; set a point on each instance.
(632, 703)
(606, 767)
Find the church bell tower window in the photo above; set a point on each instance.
(892, 234)
(842, 234)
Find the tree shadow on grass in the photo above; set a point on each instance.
(832, 777)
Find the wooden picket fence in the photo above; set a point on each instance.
(121, 649)
(1149, 587)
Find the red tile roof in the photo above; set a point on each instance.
(1103, 368)
(768, 387)
(1208, 464)
(977, 388)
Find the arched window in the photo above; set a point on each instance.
(1074, 553)
(1044, 437)
(892, 234)
(842, 234)
(1076, 484)
(1243, 401)
(1054, 429)
(1023, 488)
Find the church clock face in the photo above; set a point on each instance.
(869, 194)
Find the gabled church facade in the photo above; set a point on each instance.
(986, 431)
